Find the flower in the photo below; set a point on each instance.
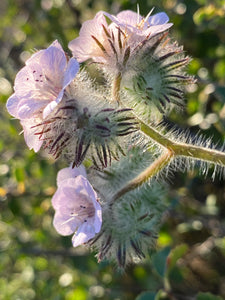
(114, 44)
(85, 46)
(76, 205)
(137, 25)
(39, 87)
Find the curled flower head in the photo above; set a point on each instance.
(76, 206)
(131, 223)
(40, 86)
(156, 83)
(113, 44)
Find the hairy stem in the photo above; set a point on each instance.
(183, 149)
(171, 150)
(148, 173)
(116, 88)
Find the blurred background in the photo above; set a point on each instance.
(37, 263)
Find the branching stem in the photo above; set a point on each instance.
(171, 149)
(148, 173)
(182, 149)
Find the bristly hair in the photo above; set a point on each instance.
(155, 80)
(131, 224)
(187, 163)
(103, 134)
(80, 132)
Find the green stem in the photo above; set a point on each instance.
(183, 149)
(148, 173)
(171, 150)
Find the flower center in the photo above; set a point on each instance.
(83, 211)
(44, 83)
(140, 25)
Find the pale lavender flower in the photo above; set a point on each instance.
(77, 209)
(113, 44)
(137, 25)
(84, 47)
(70, 172)
(40, 85)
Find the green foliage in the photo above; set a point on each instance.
(36, 263)
(207, 296)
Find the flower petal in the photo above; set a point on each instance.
(98, 217)
(71, 71)
(84, 47)
(76, 206)
(70, 173)
(158, 19)
(29, 106)
(53, 62)
(32, 140)
(52, 105)
(64, 224)
(128, 17)
(73, 190)
(84, 233)
(12, 104)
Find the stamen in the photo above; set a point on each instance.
(56, 141)
(67, 221)
(42, 132)
(137, 250)
(138, 13)
(149, 14)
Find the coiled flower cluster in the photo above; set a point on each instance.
(112, 127)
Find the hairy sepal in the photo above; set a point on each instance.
(87, 125)
(130, 224)
(155, 79)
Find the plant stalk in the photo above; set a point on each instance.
(171, 150)
(183, 149)
(147, 174)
